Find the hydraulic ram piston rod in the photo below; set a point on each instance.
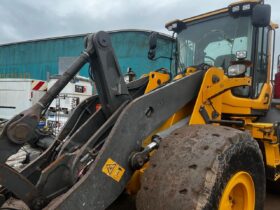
(21, 128)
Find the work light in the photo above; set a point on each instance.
(236, 70)
(240, 9)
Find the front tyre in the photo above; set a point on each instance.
(204, 167)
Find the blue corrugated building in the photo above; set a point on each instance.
(39, 59)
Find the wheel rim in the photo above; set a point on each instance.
(239, 193)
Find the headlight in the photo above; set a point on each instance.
(241, 54)
(236, 70)
(176, 26)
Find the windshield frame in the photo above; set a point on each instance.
(210, 18)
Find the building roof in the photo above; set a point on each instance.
(83, 35)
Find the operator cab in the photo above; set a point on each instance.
(235, 39)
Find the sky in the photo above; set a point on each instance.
(32, 19)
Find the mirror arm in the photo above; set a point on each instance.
(165, 57)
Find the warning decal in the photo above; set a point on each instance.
(113, 170)
(39, 85)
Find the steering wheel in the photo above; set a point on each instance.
(162, 70)
(210, 58)
(203, 66)
(222, 35)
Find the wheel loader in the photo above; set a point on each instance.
(202, 137)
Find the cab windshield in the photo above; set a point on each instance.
(215, 41)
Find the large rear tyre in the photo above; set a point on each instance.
(204, 167)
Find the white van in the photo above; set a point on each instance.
(16, 95)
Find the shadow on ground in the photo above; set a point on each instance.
(272, 202)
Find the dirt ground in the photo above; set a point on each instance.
(272, 202)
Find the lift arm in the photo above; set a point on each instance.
(88, 165)
(109, 81)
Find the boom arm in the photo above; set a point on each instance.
(109, 81)
(89, 165)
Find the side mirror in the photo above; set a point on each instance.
(261, 15)
(152, 45)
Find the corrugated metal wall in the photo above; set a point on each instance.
(39, 58)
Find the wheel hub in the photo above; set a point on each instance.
(239, 193)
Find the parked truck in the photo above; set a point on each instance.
(17, 95)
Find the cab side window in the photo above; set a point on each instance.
(260, 76)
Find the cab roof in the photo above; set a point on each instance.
(219, 11)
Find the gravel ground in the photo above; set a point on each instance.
(272, 202)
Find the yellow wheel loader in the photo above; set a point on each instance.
(203, 137)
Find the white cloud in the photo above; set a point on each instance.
(33, 19)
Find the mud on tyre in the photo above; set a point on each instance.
(193, 165)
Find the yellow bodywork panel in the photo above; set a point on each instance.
(265, 132)
(205, 15)
(238, 105)
(244, 1)
(176, 117)
(215, 95)
(187, 72)
(190, 70)
(216, 98)
(272, 154)
(134, 183)
(180, 114)
(225, 84)
(155, 80)
(211, 95)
